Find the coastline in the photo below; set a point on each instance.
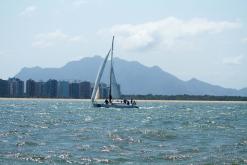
(137, 100)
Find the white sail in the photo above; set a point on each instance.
(97, 94)
(115, 87)
(99, 75)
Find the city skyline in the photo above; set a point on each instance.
(17, 88)
(203, 40)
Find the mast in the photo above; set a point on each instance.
(110, 88)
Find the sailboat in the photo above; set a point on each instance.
(114, 92)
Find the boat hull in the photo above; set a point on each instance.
(114, 105)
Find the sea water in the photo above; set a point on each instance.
(40, 131)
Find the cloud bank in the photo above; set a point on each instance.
(165, 32)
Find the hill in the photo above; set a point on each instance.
(134, 78)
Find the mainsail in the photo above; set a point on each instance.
(100, 73)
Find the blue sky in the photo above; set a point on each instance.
(206, 40)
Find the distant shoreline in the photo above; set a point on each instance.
(138, 100)
(187, 97)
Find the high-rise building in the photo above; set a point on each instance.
(51, 88)
(85, 90)
(63, 89)
(74, 90)
(30, 88)
(16, 87)
(38, 89)
(4, 92)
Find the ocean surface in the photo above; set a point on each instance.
(72, 132)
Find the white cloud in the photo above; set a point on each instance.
(244, 40)
(234, 60)
(28, 11)
(74, 38)
(78, 3)
(44, 40)
(165, 32)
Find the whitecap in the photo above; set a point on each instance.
(88, 118)
(98, 160)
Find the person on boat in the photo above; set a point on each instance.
(106, 101)
(125, 101)
(128, 103)
(131, 100)
(110, 99)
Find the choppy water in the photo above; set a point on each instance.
(72, 132)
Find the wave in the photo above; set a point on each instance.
(158, 134)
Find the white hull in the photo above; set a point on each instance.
(114, 105)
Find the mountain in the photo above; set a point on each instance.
(134, 78)
(243, 92)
